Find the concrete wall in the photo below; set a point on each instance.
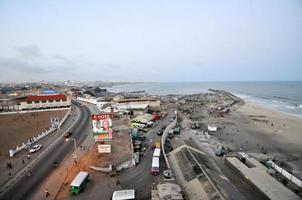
(163, 139)
(93, 101)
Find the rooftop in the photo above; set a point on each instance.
(257, 174)
(56, 97)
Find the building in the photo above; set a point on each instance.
(256, 174)
(137, 109)
(34, 102)
(154, 104)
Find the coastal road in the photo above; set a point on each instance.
(26, 186)
(139, 177)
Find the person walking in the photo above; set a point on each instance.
(47, 194)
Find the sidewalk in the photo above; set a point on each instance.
(20, 163)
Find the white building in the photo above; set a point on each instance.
(34, 102)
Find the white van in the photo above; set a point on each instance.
(123, 195)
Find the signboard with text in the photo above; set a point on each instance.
(104, 148)
(102, 127)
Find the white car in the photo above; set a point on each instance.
(35, 148)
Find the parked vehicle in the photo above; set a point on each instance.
(167, 174)
(141, 136)
(156, 152)
(138, 125)
(170, 134)
(136, 157)
(150, 124)
(220, 151)
(176, 131)
(79, 182)
(35, 148)
(155, 166)
(160, 133)
(134, 133)
(123, 195)
(157, 145)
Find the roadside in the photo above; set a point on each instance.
(101, 185)
(21, 163)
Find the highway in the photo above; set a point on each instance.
(26, 186)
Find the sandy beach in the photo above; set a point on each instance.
(264, 133)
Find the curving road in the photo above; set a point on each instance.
(24, 187)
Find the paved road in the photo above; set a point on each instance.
(26, 186)
(139, 177)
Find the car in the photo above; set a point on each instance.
(68, 134)
(35, 148)
(159, 133)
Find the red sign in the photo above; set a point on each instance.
(100, 117)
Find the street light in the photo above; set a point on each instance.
(75, 149)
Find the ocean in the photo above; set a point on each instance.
(284, 96)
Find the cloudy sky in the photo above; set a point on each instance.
(154, 40)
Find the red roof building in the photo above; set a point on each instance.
(44, 98)
(33, 102)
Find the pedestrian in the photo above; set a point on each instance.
(9, 174)
(10, 165)
(28, 156)
(23, 161)
(47, 194)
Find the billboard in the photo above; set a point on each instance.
(101, 127)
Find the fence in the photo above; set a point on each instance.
(163, 139)
(37, 138)
(286, 174)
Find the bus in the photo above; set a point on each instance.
(79, 182)
(123, 195)
(156, 152)
(155, 166)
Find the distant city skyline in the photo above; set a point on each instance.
(162, 41)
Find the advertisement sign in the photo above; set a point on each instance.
(104, 148)
(54, 122)
(102, 127)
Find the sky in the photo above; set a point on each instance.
(154, 40)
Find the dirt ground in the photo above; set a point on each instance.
(101, 185)
(18, 128)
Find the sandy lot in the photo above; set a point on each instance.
(101, 185)
(18, 128)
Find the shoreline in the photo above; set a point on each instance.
(265, 106)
